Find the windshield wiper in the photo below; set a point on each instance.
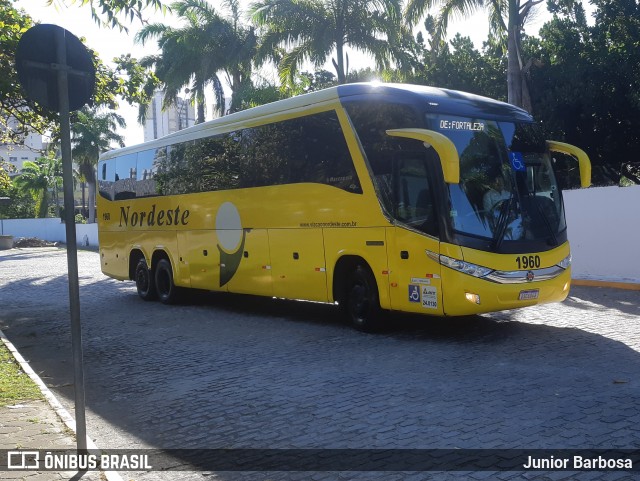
(501, 228)
(546, 222)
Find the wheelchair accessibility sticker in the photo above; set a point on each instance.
(517, 161)
(414, 293)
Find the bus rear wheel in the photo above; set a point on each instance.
(145, 283)
(165, 287)
(361, 300)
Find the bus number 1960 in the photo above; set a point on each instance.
(528, 262)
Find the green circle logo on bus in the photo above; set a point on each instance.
(231, 237)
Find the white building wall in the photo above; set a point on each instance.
(604, 232)
(52, 230)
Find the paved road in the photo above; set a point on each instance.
(229, 371)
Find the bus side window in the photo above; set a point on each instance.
(310, 149)
(371, 120)
(413, 198)
(125, 187)
(329, 161)
(145, 185)
(170, 172)
(107, 178)
(383, 178)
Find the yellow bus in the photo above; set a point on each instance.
(377, 197)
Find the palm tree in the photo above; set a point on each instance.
(38, 177)
(231, 44)
(180, 65)
(506, 17)
(93, 133)
(193, 56)
(311, 30)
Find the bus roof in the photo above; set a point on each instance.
(434, 99)
(439, 100)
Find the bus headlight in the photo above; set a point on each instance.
(566, 262)
(464, 267)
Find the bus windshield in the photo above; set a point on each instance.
(507, 191)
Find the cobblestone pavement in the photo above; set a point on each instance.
(224, 371)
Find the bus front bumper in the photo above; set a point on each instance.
(467, 295)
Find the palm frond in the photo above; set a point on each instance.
(151, 31)
(455, 9)
(416, 9)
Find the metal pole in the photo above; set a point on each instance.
(72, 249)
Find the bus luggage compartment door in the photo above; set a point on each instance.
(198, 248)
(298, 264)
(253, 275)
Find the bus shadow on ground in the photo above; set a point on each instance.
(394, 323)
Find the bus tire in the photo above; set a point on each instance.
(361, 301)
(145, 282)
(165, 287)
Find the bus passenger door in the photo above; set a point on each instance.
(253, 275)
(414, 276)
(298, 264)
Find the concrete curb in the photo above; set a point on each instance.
(62, 413)
(614, 285)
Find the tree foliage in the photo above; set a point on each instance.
(588, 90)
(460, 66)
(5, 180)
(111, 13)
(21, 203)
(294, 32)
(194, 55)
(19, 116)
(506, 19)
(37, 178)
(21, 206)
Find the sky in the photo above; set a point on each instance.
(113, 43)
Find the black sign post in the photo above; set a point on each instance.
(57, 71)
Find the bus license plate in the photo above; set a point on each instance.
(528, 295)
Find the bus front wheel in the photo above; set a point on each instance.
(362, 305)
(145, 283)
(165, 287)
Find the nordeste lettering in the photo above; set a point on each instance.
(153, 217)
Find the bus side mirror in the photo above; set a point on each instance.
(443, 146)
(583, 159)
